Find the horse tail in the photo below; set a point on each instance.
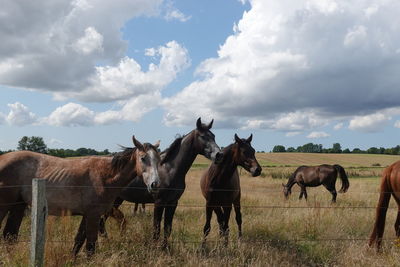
(343, 177)
(381, 209)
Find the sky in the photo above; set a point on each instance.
(91, 73)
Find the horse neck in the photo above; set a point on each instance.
(181, 163)
(223, 171)
(122, 177)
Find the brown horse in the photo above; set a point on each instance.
(390, 185)
(77, 186)
(220, 184)
(315, 176)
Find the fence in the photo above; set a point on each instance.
(39, 214)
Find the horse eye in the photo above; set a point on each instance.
(143, 159)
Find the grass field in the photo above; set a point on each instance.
(275, 232)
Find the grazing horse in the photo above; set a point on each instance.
(390, 186)
(76, 186)
(220, 184)
(315, 176)
(175, 163)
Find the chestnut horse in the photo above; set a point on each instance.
(76, 186)
(176, 162)
(312, 176)
(220, 184)
(390, 186)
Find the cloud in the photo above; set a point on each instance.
(20, 115)
(315, 135)
(56, 46)
(331, 57)
(369, 123)
(128, 80)
(397, 124)
(71, 114)
(338, 126)
(175, 14)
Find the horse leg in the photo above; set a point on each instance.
(207, 226)
(220, 218)
(168, 217)
(332, 190)
(135, 209)
(381, 209)
(397, 224)
(102, 225)
(80, 237)
(143, 207)
(303, 191)
(14, 220)
(227, 215)
(157, 217)
(238, 217)
(92, 228)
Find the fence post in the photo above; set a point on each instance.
(39, 214)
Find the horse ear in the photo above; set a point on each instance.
(248, 140)
(137, 143)
(237, 139)
(157, 144)
(210, 124)
(199, 125)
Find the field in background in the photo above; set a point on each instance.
(275, 232)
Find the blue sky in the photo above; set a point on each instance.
(88, 73)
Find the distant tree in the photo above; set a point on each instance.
(310, 148)
(347, 151)
(373, 150)
(33, 143)
(279, 148)
(336, 148)
(357, 151)
(290, 149)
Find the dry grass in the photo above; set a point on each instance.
(276, 232)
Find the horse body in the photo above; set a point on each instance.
(220, 184)
(176, 162)
(312, 176)
(82, 186)
(390, 186)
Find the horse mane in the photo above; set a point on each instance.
(215, 170)
(120, 159)
(172, 150)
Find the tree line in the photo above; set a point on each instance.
(337, 148)
(37, 144)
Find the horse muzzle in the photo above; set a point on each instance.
(256, 171)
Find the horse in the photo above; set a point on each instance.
(220, 184)
(390, 186)
(176, 161)
(312, 176)
(84, 186)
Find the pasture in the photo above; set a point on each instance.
(275, 232)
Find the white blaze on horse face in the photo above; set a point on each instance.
(150, 171)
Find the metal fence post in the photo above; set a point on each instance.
(39, 214)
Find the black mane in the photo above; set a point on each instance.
(172, 150)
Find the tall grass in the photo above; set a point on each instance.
(275, 232)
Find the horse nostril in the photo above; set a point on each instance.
(153, 185)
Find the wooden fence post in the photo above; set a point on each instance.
(39, 214)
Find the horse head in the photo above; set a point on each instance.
(245, 155)
(204, 141)
(147, 160)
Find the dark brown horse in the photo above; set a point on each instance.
(220, 184)
(176, 162)
(390, 186)
(315, 176)
(77, 186)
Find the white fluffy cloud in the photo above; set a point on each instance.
(334, 57)
(128, 80)
(316, 135)
(369, 123)
(71, 114)
(20, 115)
